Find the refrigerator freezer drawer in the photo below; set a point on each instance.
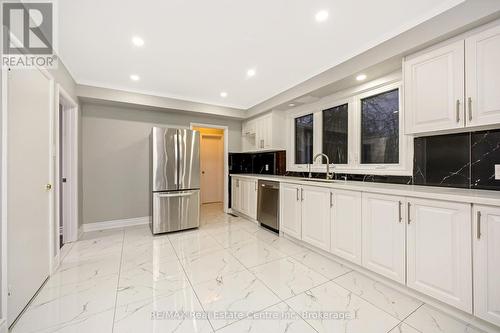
(175, 210)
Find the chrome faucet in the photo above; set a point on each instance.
(328, 174)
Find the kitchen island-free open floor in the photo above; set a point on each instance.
(227, 276)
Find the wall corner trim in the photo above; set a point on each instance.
(113, 224)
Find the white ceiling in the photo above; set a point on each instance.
(194, 49)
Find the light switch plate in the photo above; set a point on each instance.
(497, 171)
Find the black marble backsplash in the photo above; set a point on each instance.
(464, 160)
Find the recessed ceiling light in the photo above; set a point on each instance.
(135, 77)
(361, 77)
(251, 72)
(137, 41)
(291, 104)
(223, 94)
(321, 16)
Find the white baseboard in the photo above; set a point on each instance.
(113, 224)
(80, 232)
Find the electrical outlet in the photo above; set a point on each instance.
(497, 171)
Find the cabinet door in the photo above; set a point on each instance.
(383, 241)
(487, 263)
(482, 72)
(235, 194)
(316, 216)
(263, 132)
(290, 210)
(346, 225)
(251, 191)
(434, 90)
(439, 251)
(244, 189)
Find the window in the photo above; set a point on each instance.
(360, 130)
(335, 127)
(304, 139)
(380, 128)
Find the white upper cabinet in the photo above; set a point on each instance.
(345, 224)
(435, 97)
(316, 216)
(482, 71)
(290, 210)
(266, 132)
(487, 263)
(434, 89)
(383, 231)
(439, 251)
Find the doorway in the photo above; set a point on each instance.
(213, 167)
(67, 170)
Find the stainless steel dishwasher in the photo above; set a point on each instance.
(268, 206)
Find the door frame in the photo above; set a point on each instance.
(4, 289)
(226, 158)
(219, 136)
(70, 227)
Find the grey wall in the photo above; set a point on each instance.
(115, 157)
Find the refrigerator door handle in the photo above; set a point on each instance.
(170, 195)
(176, 154)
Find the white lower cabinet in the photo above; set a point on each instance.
(244, 196)
(439, 251)
(251, 190)
(345, 216)
(486, 239)
(290, 210)
(383, 240)
(235, 194)
(316, 216)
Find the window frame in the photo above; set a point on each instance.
(295, 137)
(349, 128)
(354, 165)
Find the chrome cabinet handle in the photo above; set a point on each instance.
(298, 194)
(409, 209)
(469, 106)
(458, 110)
(400, 212)
(478, 225)
(301, 194)
(331, 199)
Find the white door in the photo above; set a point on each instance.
(439, 251)
(212, 168)
(434, 90)
(29, 168)
(383, 230)
(346, 225)
(482, 72)
(235, 194)
(290, 210)
(487, 263)
(252, 198)
(316, 216)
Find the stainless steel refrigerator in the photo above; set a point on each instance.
(175, 179)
